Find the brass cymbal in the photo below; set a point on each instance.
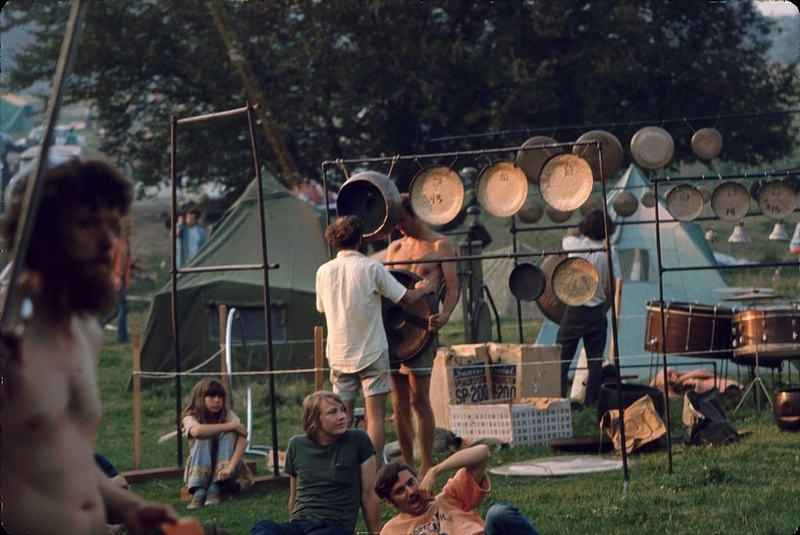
(752, 296)
(742, 289)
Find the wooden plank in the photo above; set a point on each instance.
(169, 472)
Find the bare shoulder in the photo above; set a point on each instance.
(89, 330)
(394, 249)
(444, 245)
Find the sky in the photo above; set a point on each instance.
(776, 8)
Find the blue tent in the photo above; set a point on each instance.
(683, 244)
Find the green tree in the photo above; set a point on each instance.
(367, 78)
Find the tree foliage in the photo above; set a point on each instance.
(370, 78)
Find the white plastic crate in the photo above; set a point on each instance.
(530, 421)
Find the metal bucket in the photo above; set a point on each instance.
(375, 199)
(786, 408)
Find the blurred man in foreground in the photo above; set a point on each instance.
(50, 410)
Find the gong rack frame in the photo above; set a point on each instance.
(455, 155)
(485, 153)
(662, 269)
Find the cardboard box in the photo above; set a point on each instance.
(524, 370)
(531, 421)
(460, 375)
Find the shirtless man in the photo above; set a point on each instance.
(49, 402)
(411, 383)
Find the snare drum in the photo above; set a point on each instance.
(769, 333)
(691, 329)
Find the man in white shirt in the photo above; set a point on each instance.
(349, 290)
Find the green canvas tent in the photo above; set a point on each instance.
(17, 114)
(295, 242)
(683, 244)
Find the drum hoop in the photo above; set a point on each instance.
(698, 309)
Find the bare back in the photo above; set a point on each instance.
(50, 417)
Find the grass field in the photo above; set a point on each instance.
(746, 487)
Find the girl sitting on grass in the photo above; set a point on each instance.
(217, 442)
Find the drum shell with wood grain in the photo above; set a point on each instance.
(406, 326)
(771, 332)
(692, 329)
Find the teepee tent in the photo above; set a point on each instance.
(635, 257)
(295, 242)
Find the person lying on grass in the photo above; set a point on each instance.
(451, 510)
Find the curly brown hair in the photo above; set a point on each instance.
(76, 183)
(345, 232)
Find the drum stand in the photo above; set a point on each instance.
(755, 380)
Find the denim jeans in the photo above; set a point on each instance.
(297, 527)
(505, 519)
(207, 457)
(122, 316)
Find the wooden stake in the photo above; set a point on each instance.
(137, 405)
(617, 305)
(319, 351)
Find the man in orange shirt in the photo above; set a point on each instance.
(452, 510)
(123, 264)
